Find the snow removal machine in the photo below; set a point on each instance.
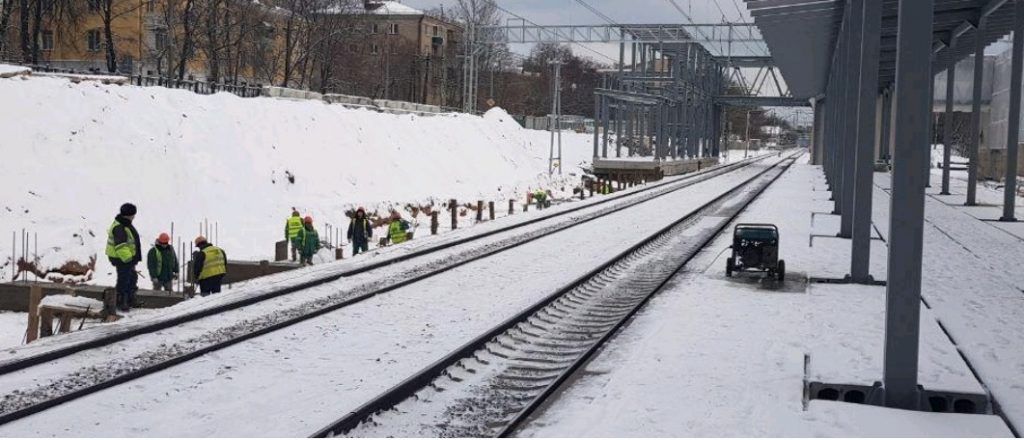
(755, 247)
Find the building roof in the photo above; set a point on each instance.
(391, 8)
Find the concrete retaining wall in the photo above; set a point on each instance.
(14, 296)
(286, 93)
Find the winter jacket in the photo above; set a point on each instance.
(162, 263)
(359, 230)
(308, 241)
(123, 245)
(208, 262)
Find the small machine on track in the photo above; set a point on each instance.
(755, 247)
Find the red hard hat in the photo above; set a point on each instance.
(308, 219)
(164, 238)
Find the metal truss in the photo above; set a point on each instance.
(520, 32)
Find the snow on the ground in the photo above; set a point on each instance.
(713, 356)
(12, 328)
(325, 367)
(7, 70)
(73, 153)
(69, 301)
(973, 283)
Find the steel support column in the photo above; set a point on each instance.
(852, 85)
(947, 127)
(818, 132)
(972, 152)
(864, 163)
(1013, 121)
(886, 134)
(906, 215)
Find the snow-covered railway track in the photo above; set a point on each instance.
(491, 385)
(25, 401)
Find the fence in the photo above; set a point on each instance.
(243, 89)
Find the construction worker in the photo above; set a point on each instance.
(162, 263)
(360, 232)
(123, 251)
(309, 242)
(397, 229)
(291, 230)
(209, 265)
(541, 197)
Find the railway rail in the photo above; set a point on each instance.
(491, 385)
(24, 403)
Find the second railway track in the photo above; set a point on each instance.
(27, 402)
(491, 385)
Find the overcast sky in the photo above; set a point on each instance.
(549, 12)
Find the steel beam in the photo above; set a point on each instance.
(864, 163)
(1013, 121)
(975, 142)
(906, 216)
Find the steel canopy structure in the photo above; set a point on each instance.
(865, 62)
(802, 35)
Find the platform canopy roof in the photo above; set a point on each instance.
(802, 35)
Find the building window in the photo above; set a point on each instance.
(47, 37)
(374, 49)
(436, 31)
(93, 37)
(393, 28)
(374, 28)
(151, 6)
(160, 40)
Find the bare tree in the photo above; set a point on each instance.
(111, 10)
(6, 9)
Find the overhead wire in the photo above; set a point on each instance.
(535, 24)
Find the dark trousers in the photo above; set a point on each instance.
(360, 246)
(210, 285)
(167, 286)
(127, 285)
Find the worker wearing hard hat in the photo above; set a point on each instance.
(162, 263)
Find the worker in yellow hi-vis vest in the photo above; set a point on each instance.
(209, 265)
(123, 251)
(291, 231)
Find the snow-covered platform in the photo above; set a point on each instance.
(717, 356)
(649, 168)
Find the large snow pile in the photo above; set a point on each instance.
(73, 152)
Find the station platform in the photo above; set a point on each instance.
(711, 350)
(647, 168)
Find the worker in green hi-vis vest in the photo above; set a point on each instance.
(209, 265)
(162, 263)
(123, 252)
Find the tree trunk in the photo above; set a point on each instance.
(37, 23)
(26, 52)
(108, 35)
(5, 19)
(288, 37)
(186, 45)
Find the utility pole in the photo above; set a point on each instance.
(556, 118)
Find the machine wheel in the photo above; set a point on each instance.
(730, 265)
(781, 270)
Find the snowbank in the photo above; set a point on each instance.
(7, 70)
(73, 152)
